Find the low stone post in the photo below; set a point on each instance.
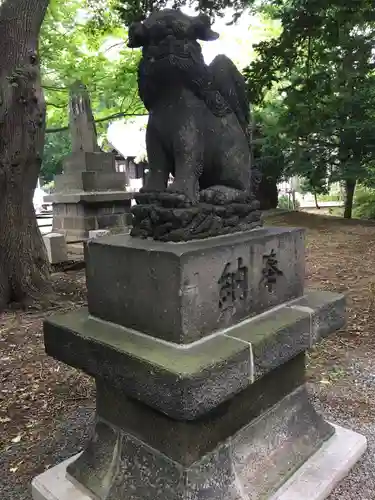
(56, 247)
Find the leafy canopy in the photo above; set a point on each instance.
(322, 67)
(74, 47)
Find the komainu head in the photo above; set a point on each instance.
(169, 40)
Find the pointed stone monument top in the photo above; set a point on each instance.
(81, 120)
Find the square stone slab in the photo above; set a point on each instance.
(314, 480)
(187, 381)
(181, 292)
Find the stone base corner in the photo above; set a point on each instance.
(324, 470)
(315, 480)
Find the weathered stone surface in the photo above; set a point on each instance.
(275, 338)
(89, 162)
(187, 441)
(81, 120)
(76, 220)
(98, 233)
(193, 222)
(177, 327)
(96, 197)
(251, 464)
(198, 131)
(188, 382)
(183, 383)
(326, 468)
(269, 450)
(327, 312)
(89, 177)
(56, 247)
(182, 292)
(314, 480)
(76, 182)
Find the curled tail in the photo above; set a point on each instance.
(231, 85)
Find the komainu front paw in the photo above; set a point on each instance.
(186, 189)
(222, 195)
(163, 198)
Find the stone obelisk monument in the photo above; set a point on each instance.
(89, 194)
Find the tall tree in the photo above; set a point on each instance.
(322, 63)
(270, 151)
(23, 264)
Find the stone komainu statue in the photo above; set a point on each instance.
(198, 118)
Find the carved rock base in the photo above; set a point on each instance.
(194, 222)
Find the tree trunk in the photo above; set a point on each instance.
(349, 195)
(267, 193)
(23, 263)
(316, 200)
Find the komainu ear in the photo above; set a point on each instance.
(137, 35)
(202, 28)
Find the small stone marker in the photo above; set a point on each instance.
(56, 247)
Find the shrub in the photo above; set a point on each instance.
(49, 187)
(286, 202)
(330, 197)
(364, 203)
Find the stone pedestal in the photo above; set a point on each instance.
(90, 195)
(198, 352)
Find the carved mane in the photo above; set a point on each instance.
(219, 85)
(171, 52)
(195, 77)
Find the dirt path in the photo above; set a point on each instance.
(45, 406)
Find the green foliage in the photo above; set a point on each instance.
(74, 47)
(56, 147)
(137, 10)
(330, 197)
(364, 203)
(269, 142)
(286, 202)
(322, 67)
(316, 183)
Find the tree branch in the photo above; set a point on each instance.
(59, 106)
(99, 120)
(56, 89)
(113, 46)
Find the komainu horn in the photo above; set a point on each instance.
(197, 132)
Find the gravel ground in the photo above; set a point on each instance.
(71, 434)
(351, 404)
(334, 400)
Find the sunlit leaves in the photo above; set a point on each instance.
(71, 49)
